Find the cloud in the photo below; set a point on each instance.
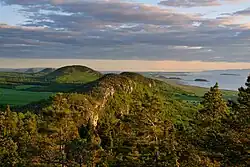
(190, 3)
(119, 30)
(188, 47)
(6, 26)
(118, 12)
(26, 43)
(245, 12)
(197, 3)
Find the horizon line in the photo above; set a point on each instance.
(125, 65)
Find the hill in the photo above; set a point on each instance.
(32, 70)
(47, 70)
(121, 89)
(73, 74)
(115, 82)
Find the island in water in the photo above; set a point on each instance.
(201, 80)
(230, 74)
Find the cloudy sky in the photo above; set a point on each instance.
(136, 34)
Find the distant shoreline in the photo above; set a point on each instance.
(230, 74)
(176, 82)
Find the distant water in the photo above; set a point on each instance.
(227, 79)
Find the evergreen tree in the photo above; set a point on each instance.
(214, 105)
(79, 152)
(229, 139)
(243, 114)
(8, 152)
(9, 155)
(240, 126)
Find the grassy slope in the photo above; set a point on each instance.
(77, 76)
(73, 74)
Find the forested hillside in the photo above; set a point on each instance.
(127, 120)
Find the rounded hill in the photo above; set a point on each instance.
(73, 74)
(47, 70)
(32, 70)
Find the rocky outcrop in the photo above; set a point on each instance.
(104, 89)
(90, 100)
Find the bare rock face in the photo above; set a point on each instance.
(94, 120)
(109, 92)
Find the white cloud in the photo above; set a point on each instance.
(122, 30)
(188, 47)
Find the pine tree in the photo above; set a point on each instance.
(79, 152)
(214, 105)
(58, 128)
(238, 131)
(8, 147)
(8, 152)
(244, 103)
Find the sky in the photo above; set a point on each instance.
(139, 35)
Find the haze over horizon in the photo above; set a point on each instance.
(139, 35)
(124, 65)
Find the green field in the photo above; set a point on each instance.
(23, 87)
(17, 97)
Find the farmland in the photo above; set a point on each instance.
(19, 97)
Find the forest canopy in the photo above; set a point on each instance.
(127, 120)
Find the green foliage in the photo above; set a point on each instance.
(126, 120)
(214, 105)
(8, 152)
(244, 101)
